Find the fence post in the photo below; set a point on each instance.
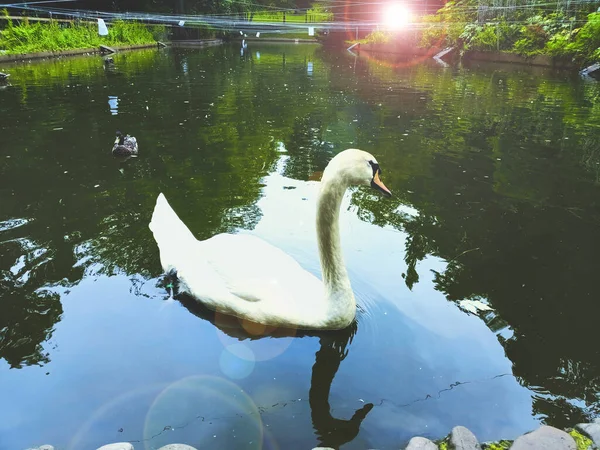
(497, 38)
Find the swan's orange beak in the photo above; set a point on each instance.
(376, 183)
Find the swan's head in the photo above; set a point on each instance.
(356, 167)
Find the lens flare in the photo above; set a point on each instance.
(396, 16)
(237, 361)
(203, 411)
(118, 412)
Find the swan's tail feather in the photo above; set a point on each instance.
(171, 235)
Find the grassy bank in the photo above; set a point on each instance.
(317, 13)
(27, 37)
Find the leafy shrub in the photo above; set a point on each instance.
(376, 37)
(558, 45)
(587, 40)
(480, 37)
(533, 39)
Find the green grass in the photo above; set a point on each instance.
(286, 35)
(29, 37)
(315, 14)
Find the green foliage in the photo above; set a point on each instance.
(500, 445)
(583, 442)
(315, 14)
(301, 34)
(477, 37)
(490, 36)
(553, 34)
(447, 24)
(376, 37)
(443, 445)
(533, 38)
(54, 36)
(587, 40)
(558, 45)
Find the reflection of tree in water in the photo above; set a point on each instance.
(500, 171)
(28, 314)
(532, 258)
(307, 149)
(205, 141)
(92, 219)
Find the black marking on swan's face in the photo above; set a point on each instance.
(375, 167)
(376, 183)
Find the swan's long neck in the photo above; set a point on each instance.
(335, 276)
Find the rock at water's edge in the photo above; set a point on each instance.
(462, 438)
(544, 438)
(421, 443)
(591, 430)
(117, 446)
(177, 447)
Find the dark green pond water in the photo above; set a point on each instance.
(496, 176)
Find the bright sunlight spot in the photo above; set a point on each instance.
(396, 16)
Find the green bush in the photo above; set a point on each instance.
(587, 40)
(447, 25)
(532, 41)
(480, 37)
(490, 36)
(558, 45)
(376, 37)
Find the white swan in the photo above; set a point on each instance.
(244, 276)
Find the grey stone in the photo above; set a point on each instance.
(545, 438)
(177, 447)
(421, 443)
(597, 420)
(117, 446)
(462, 438)
(591, 430)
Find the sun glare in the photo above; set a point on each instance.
(396, 16)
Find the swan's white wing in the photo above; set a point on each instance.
(239, 274)
(255, 270)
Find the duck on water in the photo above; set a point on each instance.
(125, 145)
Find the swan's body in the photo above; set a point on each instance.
(244, 276)
(125, 145)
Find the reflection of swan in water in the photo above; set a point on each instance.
(331, 432)
(244, 276)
